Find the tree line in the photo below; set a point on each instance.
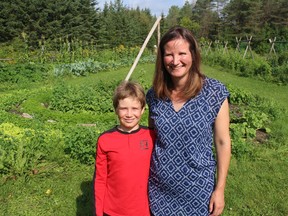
(35, 21)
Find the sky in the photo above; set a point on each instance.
(157, 7)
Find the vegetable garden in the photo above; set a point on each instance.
(52, 113)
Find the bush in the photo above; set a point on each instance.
(272, 70)
(28, 72)
(83, 98)
(22, 149)
(80, 143)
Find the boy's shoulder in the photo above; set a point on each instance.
(148, 130)
(109, 131)
(116, 132)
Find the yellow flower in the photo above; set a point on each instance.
(48, 192)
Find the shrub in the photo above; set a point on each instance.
(22, 149)
(83, 98)
(28, 72)
(80, 143)
(272, 70)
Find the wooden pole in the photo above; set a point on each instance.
(225, 47)
(248, 47)
(142, 48)
(238, 43)
(158, 35)
(272, 45)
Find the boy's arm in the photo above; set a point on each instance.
(100, 178)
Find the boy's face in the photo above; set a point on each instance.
(129, 112)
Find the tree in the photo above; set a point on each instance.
(203, 14)
(53, 19)
(173, 17)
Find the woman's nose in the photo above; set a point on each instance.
(176, 60)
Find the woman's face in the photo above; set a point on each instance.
(177, 58)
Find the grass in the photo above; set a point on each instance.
(255, 186)
(272, 91)
(55, 190)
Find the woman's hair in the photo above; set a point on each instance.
(129, 89)
(162, 83)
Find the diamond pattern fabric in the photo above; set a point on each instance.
(182, 172)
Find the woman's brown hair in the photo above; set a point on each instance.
(162, 83)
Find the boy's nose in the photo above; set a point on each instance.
(129, 112)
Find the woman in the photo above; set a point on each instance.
(189, 112)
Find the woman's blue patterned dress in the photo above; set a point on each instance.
(182, 173)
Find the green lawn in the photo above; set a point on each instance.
(255, 186)
(268, 90)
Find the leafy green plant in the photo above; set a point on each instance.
(259, 67)
(80, 143)
(22, 149)
(84, 98)
(28, 72)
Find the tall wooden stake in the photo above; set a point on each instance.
(142, 48)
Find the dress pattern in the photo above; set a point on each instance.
(182, 171)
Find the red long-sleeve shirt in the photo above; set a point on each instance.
(121, 172)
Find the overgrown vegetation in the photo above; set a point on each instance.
(270, 68)
(70, 117)
(57, 111)
(67, 128)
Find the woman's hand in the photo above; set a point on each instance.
(217, 203)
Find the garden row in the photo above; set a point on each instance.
(272, 68)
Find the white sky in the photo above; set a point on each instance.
(156, 6)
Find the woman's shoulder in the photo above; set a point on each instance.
(150, 92)
(213, 84)
(150, 95)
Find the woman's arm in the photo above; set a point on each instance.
(150, 122)
(223, 153)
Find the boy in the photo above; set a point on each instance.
(123, 158)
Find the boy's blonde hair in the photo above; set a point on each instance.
(129, 89)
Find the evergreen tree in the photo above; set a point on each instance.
(48, 18)
(173, 17)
